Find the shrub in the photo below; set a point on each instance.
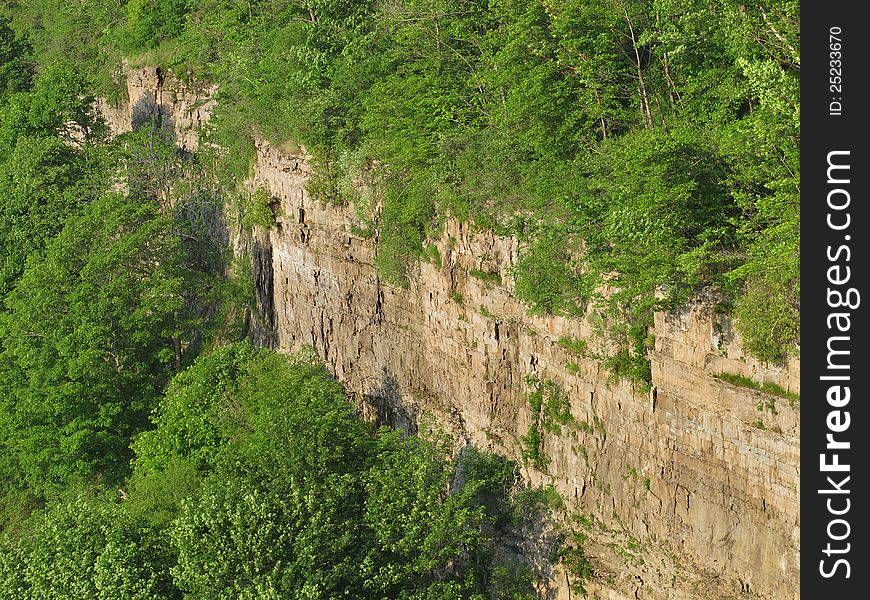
(432, 254)
(256, 209)
(768, 315)
(545, 279)
(150, 22)
(578, 347)
(531, 447)
(573, 557)
(486, 276)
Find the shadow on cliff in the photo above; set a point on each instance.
(383, 405)
(159, 168)
(154, 160)
(147, 111)
(263, 324)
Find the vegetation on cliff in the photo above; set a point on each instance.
(655, 142)
(145, 450)
(653, 145)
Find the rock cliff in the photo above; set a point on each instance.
(181, 109)
(687, 491)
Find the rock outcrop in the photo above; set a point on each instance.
(152, 95)
(688, 490)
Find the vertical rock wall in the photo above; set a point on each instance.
(687, 491)
(691, 490)
(180, 109)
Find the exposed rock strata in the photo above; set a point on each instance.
(180, 109)
(689, 491)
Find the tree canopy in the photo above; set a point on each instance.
(146, 453)
(259, 481)
(660, 137)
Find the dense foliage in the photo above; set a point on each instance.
(109, 283)
(143, 454)
(260, 482)
(651, 146)
(654, 142)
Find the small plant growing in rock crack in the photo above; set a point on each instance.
(431, 253)
(767, 404)
(574, 559)
(486, 276)
(767, 387)
(531, 447)
(598, 424)
(257, 209)
(550, 403)
(720, 336)
(577, 347)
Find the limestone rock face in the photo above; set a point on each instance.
(692, 488)
(180, 109)
(687, 491)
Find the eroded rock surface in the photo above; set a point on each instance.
(180, 109)
(687, 491)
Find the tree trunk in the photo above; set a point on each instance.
(672, 87)
(641, 85)
(601, 120)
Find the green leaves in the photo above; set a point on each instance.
(298, 497)
(545, 277)
(15, 70)
(660, 196)
(414, 519)
(259, 481)
(86, 548)
(187, 424)
(85, 333)
(235, 541)
(150, 22)
(43, 177)
(666, 133)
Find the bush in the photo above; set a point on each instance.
(768, 315)
(408, 210)
(87, 548)
(486, 276)
(577, 347)
(150, 22)
(256, 209)
(576, 563)
(545, 279)
(513, 581)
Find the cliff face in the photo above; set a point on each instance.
(687, 491)
(180, 109)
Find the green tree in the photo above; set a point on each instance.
(259, 480)
(545, 277)
(86, 548)
(73, 34)
(285, 476)
(326, 508)
(420, 528)
(91, 333)
(44, 177)
(15, 63)
(150, 22)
